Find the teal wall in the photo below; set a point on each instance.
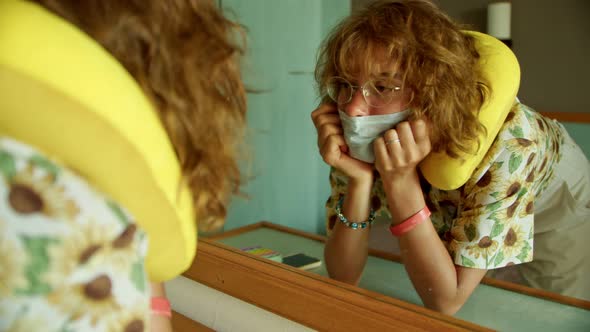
(289, 181)
(580, 132)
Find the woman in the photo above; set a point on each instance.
(405, 68)
(184, 56)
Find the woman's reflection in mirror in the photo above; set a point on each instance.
(408, 56)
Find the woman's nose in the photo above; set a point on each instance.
(357, 105)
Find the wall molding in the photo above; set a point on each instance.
(575, 117)
(181, 323)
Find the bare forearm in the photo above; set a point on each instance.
(430, 268)
(425, 258)
(346, 250)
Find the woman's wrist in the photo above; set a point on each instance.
(160, 306)
(359, 190)
(409, 224)
(404, 197)
(406, 209)
(364, 180)
(355, 204)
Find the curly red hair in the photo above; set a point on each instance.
(184, 54)
(437, 62)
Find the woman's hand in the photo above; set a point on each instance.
(333, 147)
(399, 151)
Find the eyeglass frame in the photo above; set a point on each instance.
(364, 91)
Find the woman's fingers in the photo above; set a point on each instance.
(382, 159)
(393, 143)
(327, 122)
(332, 145)
(327, 118)
(421, 136)
(392, 140)
(405, 146)
(326, 131)
(322, 110)
(331, 149)
(405, 135)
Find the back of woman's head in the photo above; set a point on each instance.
(436, 61)
(184, 55)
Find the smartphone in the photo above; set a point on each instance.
(302, 261)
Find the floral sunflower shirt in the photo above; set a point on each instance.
(70, 259)
(488, 222)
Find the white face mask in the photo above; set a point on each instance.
(361, 131)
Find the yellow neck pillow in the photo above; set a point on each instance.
(500, 68)
(63, 93)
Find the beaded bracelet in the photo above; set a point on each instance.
(353, 224)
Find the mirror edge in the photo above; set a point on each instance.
(314, 301)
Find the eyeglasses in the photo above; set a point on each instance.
(376, 93)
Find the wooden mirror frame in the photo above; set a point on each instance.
(314, 300)
(322, 303)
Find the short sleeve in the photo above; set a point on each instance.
(71, 256)
(494, 224)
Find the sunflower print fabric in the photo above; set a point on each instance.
(70, 258)
(488, 222)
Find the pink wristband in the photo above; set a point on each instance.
(409, 224)
(161, 306)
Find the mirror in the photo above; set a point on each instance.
(265, 283)
(288, 182)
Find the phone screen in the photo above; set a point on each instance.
(302, 261)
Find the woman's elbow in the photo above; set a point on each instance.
(447, 310)
(445, 306)
(343, 275)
